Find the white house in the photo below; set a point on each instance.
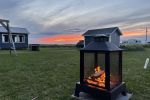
(131, 41)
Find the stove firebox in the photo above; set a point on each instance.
(101, 70)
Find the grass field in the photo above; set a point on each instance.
(51, 74)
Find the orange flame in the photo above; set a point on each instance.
(98, 78)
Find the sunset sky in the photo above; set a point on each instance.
(64, 21)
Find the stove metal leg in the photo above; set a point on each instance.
(124, 93)
(77, 90)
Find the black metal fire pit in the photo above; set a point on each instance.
(101, 70)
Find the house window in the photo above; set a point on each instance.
(21, 38)
(5, 38)
(14, 37)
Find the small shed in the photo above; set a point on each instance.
(19, 36)
(113, 33)
(34, 47)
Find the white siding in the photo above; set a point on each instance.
(115, 38)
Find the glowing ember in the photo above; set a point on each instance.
(98, 78)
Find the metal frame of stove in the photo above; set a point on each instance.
(103, 94)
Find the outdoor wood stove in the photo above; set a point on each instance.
(101, 70)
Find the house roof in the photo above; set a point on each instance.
(14, 30)
(102, 31)
(101, 46)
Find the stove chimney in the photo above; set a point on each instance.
(101, 43)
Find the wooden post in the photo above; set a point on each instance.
(5, 24)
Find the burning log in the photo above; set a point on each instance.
(97, 78)
(98, 74)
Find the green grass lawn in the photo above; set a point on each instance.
(51, 74)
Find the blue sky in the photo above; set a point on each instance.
(51, 18)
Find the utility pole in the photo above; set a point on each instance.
(146, 35)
